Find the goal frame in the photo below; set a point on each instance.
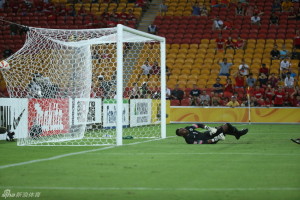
(120, 41)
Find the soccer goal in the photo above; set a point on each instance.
(87, 87)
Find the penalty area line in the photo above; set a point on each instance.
(151, 188)
(73, 154)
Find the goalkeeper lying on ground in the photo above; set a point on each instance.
(211, 136)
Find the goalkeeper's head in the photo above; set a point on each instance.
(182, 132)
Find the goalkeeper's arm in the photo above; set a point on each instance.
(210, 129)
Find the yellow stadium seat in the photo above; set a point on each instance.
(208, 61)
(176, 71)
(251, 45)
(173, 76)
(192, 51)
(179, 60)
(205, 71)
(183, 77)
(175, 51)
(190, 83)
(193, 77)
(195, 71)
(189, 60)
(211, 50)
(181, 54)
(183, 50)
(201, 81)
(205, 41)
(186, 71)
(198, 60)
(194, 46)
(184, 46)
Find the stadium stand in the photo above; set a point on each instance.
(191, 43)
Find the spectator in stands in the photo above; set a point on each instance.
(196, 10)
(194, 96)
(275, 54)
(142, 4)
(177, 94)
(269, 92)
(263, 80)
(228, 87)
(296, 101)
(276, 7)
(204, 98)
(2, 2)
(264, 69)
(168, 72)
(249, 11)
(131, 16)
(289, 81)
(257, 11)
(82, 11)
(278, 97)
(292, 14)
(218, 87)
(251, 81)
(105, 15)
(244, 68)
(255, 19)
(204, 11)
(284, 68)
(240, 43)
(233, 102)
(239, 80)
(35, 86)
(155, 68)
(204, 103)
(229, 44)
(135, 91)
(168, 93)
(14, 29)
(286, 5)
(224, 70)
(273, 81)
(217, 24)
(298, 14)
(239, 9)
(7, 53)
(297, 40)
(146, 68)
(284, 53)
(152, 29)
(220, 42)
(295, 55)
(227, 25)
(274, 19)
(144, 91)
(257, 92)
(163, 8)
(123, 16)
(215, 99)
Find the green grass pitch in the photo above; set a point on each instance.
(264, 164)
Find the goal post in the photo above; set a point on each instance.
(120, 30)
(78, 86)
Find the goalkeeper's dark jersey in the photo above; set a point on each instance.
(196, 137)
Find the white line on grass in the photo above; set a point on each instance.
(70, 154)
(211, 153)
(152, 188)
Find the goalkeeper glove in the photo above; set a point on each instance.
(218, 137)
(211, 129)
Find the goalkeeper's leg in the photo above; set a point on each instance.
(228, 129)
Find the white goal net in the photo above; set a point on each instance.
(86, 87)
